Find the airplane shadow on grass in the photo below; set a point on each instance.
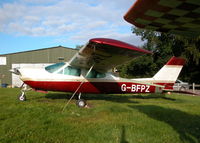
(109, 97)
(88, 97)
(186, 125)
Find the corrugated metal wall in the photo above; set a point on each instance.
(48, 55)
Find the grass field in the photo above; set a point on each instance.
(111, 119)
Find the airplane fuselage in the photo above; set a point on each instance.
(42, 79)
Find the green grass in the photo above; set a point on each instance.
(112, 118)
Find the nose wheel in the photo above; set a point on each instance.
(22, 96)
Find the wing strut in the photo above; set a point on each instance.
(78, 87)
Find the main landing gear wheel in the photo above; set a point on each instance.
(81, 103)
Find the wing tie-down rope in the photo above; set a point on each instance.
(78, 88)
(94, 49)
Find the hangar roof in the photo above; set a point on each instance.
(39, 50)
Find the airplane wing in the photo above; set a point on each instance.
(105, 54)
(174, 16)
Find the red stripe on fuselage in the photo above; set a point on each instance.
(92, 87)
(167, 85)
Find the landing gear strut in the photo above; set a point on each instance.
(22, 96)
(81, 102)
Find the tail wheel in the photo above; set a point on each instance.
(81, 103)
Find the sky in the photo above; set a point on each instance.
(35, 24)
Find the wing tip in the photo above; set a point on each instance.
(120, 44)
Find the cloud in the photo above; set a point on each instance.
(126, 37)
(38, 2)
(77, 20)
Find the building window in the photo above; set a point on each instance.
(3, 61)
(61, 58)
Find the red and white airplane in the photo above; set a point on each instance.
(87, 72)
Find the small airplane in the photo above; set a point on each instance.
(88, 72)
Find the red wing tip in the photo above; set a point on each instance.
(118, 43)
(176, 61)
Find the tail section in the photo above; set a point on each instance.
(170, 72)
(167, 75)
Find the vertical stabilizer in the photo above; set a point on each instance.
(170, 72)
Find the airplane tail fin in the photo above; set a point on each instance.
(170, 71)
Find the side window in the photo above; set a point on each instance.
(101, 75)
(95, 74)
(72, 71)
(60, 72)
(92, 74)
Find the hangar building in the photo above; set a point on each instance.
(36, 58)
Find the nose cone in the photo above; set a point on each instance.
(22, 72)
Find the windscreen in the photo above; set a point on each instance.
(54, 67)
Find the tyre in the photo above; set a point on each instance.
(22, 97)
(81, 103)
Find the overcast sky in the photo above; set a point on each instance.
(34, 24)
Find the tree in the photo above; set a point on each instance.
(164, 46)
(148, 65)
(140, 67)
(191, 51)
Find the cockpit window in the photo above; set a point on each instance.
(101, 75)
(95, 74)
(72, 71)
(54, 67)
(60, 72)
